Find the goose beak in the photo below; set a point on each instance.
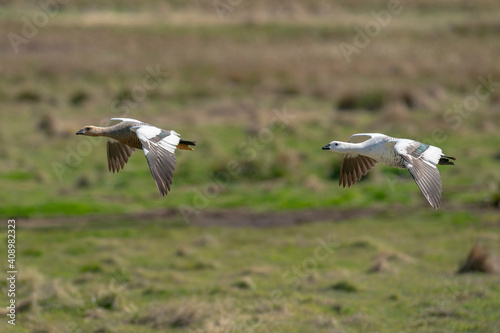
(80, 132)
(327, 147)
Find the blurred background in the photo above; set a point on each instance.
(256, 235)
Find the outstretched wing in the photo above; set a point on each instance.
(118, 153)
(114, 121)
(354, 166)
(420, 159)
(362, 137)
(159, 147)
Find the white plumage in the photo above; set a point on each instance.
(148, 133)
(364, 150)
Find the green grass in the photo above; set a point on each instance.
(230, 168)
(134, 274)
(103, 252)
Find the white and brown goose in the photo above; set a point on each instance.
(364, 150)
(125, 134)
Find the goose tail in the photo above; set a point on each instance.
(184, 144)
(446, 160)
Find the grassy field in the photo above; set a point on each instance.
(261, 87)
(147, 275)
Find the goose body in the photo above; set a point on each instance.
(365, 150)
(126, 134)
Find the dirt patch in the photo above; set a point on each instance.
(230, 218)
(244, 218)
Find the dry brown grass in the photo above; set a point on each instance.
(245, 62)
(187, 314)
(264, 55)
(245, 282)
(479, 260)
(380, 264)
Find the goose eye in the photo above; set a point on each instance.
(336, 144)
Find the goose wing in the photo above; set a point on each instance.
(118, 153)
(354, 166)
(420, 159)
(362, 137)
(159, 147)
(114, 121)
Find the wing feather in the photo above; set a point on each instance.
(159, 147)
(114, 121)
(424, 172)
(362, 137)
(354, 167)
(118, 154)
(358, 138)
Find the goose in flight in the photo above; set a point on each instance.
(364, 150)
(125, 134)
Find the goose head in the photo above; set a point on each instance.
(335, 146)
(89, 131)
